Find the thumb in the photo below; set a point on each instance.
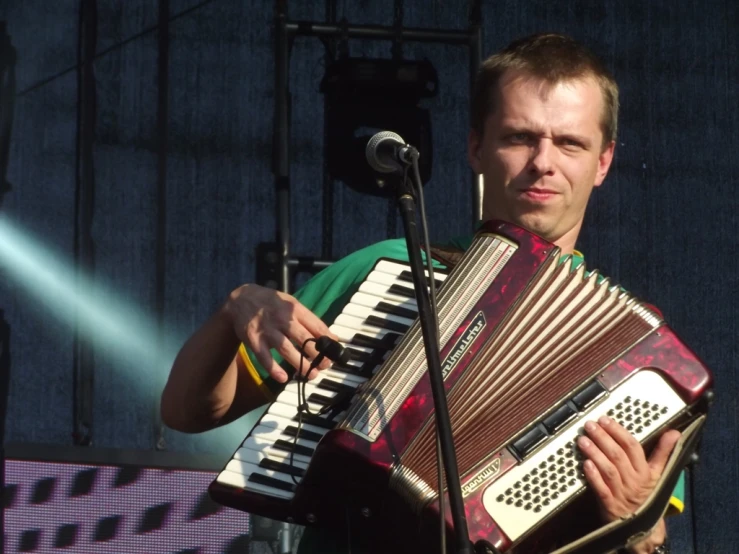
(660, 455)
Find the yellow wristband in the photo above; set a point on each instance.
(676, 506)
(254, 374)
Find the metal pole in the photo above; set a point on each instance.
(161, 240)
(310, 28)
(327, 216)
(83, 361)
(281, 170)
(7, 105)
(281, 165)
(475, 22)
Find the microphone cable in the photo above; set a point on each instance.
(327, 348)
(303, 407)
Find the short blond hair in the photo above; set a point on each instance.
(552, 58)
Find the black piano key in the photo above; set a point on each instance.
(316, 421)
(291, 431)
(587, 396)
(386, 324)
(289, 446)
(400, 311)
(319, 399)
(408, 276)
(272, 482)
(385, 343)
(335, 386)
(529, 440)
(358, 355)
(282, 467)
(400, 290)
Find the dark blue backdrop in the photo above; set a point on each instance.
(664, 224)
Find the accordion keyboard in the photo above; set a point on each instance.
(271, 461)
(550, 476)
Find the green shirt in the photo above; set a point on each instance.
(326, 294)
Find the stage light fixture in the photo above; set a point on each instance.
(367, 95)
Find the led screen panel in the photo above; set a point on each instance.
(94, 508)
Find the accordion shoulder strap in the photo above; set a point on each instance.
(447, 255)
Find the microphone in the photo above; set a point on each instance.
(387, 152)
(332, 350)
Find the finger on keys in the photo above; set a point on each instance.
(306, 342)
(606, 468)
(596, 481)
(291, 355)
(628, 442)
(610, 448)
(314, 327)
(264, 355)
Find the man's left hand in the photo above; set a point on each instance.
(618, 470)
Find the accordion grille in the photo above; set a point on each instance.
(562, 331)
(380, 398)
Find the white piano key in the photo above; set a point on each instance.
(247, 469)
(285, 410)
(277, 422)
(306, 388)
(383, 291)
(371, 301)
(269, 435)
(364, 312)
(337, 376)
(359, 326)
(395, 268)
(387, 279)
(240, 481)
(340, 376)
(346, 334)
(291, 399)
(266, 446)
(255, 457)
(343, 377)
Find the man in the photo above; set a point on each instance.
(544, 120)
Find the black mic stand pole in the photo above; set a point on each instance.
(407, 207)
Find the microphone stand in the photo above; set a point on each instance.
(407, 208)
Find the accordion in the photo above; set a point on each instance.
(530, 348)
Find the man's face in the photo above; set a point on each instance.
(541, 155)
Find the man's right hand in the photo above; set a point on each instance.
(264, 319)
